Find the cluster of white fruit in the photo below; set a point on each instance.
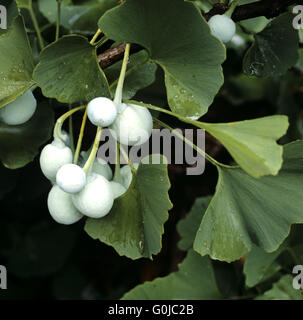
(19, 111)
(131, 124)
(77, 193)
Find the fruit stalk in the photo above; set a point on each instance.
(58, 127)
(119, 90)
(93, 153)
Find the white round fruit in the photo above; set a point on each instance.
(222, 27)
(61, 207)
(133, 125)
(20, 110)
(54, 156)
(102, 112)
(96, 199)
(71, 178)
(117, 188)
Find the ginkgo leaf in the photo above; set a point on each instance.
(246, 211)
(258, 263)
(140, 74)
(16, 63)
(178, 38)
(252, 143)
(134, 226)
(195, 280)
(69, 71)
(282, 290)
(275, 49)
(77, 18)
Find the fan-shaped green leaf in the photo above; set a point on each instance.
(252, 143)
(177, 38)
(275, 49)
(246, 211)
(140, 74)
(16, 63)
(195, 280)
(69, 71)
(282, 290)
(258, 263)
(134, 227)
(77, 18)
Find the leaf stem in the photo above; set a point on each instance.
(71, 136)
(80, 138)
(231, 9)
(59, 2)
(60, 121)
(36, 26)
(81, 134)
(119, 89)
(124, 153)
(201, 125)
(117, 167)
(149, 106)
(93, 153)
(95, 37)
(202, 152)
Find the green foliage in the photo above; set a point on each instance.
(192, 77)
(274, 50)
(282, 290)
(245, 210)
(81, 18)
(252, 143)
(181, 285)
(253, 25)
(259, 264)
(69, 71)
(134, 226)
(16, 64)
(141, 74)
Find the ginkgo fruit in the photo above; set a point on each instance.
(71, 178)
(19, 111)
(96, 199)
(54, 156)
(101, 112)
(61, 207)
(133, 125)
(222, 27)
